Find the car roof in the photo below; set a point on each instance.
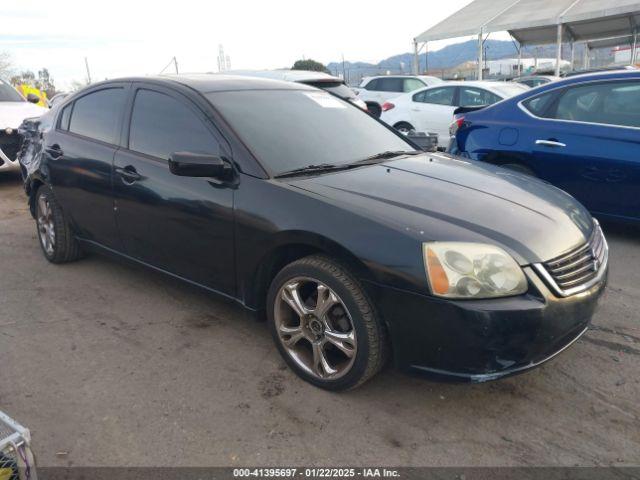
(287, 75)
(399, 75)
(215, 82)
(588, 77)
(469, 83)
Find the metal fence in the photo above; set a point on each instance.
(16, 458)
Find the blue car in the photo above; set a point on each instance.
(581, 134)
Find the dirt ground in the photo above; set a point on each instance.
(110, 364)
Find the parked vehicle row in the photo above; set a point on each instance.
(375, 91)
(431, 109)
(354, 244)
(581, 134)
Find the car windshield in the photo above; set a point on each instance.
(337, 88)
(291, 129)
(9, 94)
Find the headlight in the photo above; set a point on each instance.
(472, 270)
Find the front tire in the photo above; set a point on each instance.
(56, 238)
(324, 325)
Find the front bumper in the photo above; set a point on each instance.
(482, 340)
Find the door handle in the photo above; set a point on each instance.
(415, 109)
(128, 174)
(551, 143)
(54, 151)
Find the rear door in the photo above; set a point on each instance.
(587, 143)
(182, 225)
(432, 110)
(80, 155)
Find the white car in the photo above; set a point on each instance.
(324, 81)
(374, 91)
(14, 108)
(431, 109)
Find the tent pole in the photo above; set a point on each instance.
(426, 58)
(573, 55)
(559, 50)
(519, 59)
(480, 54)
(416, 68)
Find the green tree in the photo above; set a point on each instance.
(42, 81)
(311, 65)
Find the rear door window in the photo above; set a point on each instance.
(97, 115)
(162, 125)
(477, 97)
(437, 96)
(65, 117)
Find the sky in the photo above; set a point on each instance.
(122, 38)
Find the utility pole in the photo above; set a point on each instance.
(86, 64)
(344, 72)
(480, 53)
(175, 63)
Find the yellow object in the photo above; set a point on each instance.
(25, 90)
(6, 473)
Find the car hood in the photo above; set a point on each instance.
(442, 198)
(13, 113)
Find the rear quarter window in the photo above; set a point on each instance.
(97, 115)
(540, 104)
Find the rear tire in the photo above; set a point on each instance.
(57, 241)
(336, 343)
(403, 127)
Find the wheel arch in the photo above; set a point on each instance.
(31, 189)
(497, 157)
(289, 247)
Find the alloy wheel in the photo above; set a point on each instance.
(315, 328)
(46, 225)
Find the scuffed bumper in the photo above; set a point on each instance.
(482, 340)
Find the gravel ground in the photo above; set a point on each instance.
(110, 364)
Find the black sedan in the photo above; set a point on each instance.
(299, 205)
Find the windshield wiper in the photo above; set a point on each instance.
(389, 154)
(332, 167)
(321, 167)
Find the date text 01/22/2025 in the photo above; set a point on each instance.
(315, 473)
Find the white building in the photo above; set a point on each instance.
(507, 67)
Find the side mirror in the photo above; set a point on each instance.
(33, 98)
(188, 164)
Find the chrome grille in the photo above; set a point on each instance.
(579, 269)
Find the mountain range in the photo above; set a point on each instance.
(447, 57)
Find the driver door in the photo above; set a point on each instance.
(182, 225)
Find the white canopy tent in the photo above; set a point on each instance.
(540, 22)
